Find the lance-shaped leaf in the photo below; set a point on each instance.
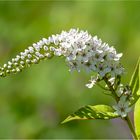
(135, 83)
(93, 112)
(137, 118)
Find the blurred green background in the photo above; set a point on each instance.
(34, 102)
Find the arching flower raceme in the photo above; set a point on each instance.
(81, 52)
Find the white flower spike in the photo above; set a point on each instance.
(81, 50)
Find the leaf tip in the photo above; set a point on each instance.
(67, 120)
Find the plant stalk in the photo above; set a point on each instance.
(111, 89)
(127, 117)
(131, 127)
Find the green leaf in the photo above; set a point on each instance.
(135, 83)
(93, 112)
(137, 118)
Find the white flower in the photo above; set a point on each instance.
(112, 80)
(122, 108)
(88, 66)
(120, 90)
(102, 69)
(96, 42)
(115, 69)
(127, 91)
(92, 81)
(74, 66)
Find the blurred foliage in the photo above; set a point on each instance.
(34, 102)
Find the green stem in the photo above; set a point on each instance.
(102, 87)
(131, 127)
(127, 117)
(111, 89)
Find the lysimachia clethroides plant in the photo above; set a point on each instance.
(85, 52)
